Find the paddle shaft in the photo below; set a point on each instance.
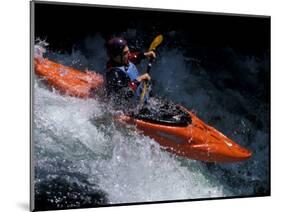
(149, 65)
(156, 42)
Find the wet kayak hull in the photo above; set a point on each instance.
(196, 141)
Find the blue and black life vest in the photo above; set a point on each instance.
(123, 79)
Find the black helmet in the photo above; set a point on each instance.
(115, 46)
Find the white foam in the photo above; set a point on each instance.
(129, 167)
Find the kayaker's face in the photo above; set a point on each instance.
(124, 58)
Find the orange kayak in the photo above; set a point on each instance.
(190, 138)
(68, 80)
(196, 140)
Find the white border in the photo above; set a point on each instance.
(14, 180)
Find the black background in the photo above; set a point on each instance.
(64, 25)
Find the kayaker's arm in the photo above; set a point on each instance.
(137, 57)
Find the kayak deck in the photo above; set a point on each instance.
(164, 113)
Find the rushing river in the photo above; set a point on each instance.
(83, 158)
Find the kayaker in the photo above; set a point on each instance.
(123, 80)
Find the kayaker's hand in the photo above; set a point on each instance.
(150, 54)
(144, 77)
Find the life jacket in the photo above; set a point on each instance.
(132, 72)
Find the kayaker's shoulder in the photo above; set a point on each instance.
(117, 75)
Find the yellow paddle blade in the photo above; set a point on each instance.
(156, 42)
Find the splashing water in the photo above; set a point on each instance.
(78, 145)
(127, 166)
(40, 48)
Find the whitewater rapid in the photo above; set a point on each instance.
(78, 136)
(83, 158)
